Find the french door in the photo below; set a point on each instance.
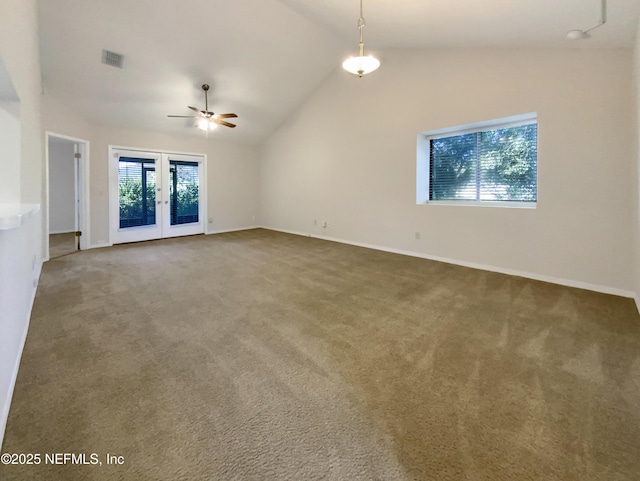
(156, 195)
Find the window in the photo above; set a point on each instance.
(137, 189)
(183, 191)
(493, 163)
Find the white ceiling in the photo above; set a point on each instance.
(263, 57)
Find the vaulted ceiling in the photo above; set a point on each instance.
(263, 57)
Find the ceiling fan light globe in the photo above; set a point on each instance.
(361, 65)
(203, 124)
(206, 124)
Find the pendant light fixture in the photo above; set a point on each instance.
(361, 65)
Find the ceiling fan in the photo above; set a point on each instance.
(207, 120)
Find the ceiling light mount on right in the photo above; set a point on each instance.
(361, 65)
(584, 34)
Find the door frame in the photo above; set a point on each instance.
(114, 210)
(81, 182)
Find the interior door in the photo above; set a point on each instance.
(158, 195)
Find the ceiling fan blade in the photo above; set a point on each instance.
(184, 116)
(227, 116)
(194, 109)
(222, 122)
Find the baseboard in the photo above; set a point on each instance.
(100, 246)
(238, 229)
(61, 232)
(512, 272)
(4, 414)
(224, 231)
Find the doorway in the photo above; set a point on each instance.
(156, 195)
(67, 174)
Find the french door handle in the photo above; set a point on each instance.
(166, 201)
(159, 202)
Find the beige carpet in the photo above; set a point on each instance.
(62, 244)
(264, 356)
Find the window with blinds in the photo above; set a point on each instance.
(493, 164)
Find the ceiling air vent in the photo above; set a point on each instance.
(112, 58)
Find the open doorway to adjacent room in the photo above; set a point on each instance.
(67, 181)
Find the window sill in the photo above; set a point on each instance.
(508, 205)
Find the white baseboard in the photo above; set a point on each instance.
(529, 275)
(224, 231)
(100, 246)
(306, 234)
(238, 229)
(4, 414)
(61, 232)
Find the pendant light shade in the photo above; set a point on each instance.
(362, 64)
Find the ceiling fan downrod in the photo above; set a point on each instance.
(205, 87)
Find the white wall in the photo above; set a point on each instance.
(232, 169)
(348, 156)
(21, 247)
(10, 154)
(19, 271)
(62, 188)
(636, 178)
(19, 51)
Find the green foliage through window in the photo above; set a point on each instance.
(183, 191)
(137, 192)
(485, 166)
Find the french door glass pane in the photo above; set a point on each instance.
(137, 192)
(183, 192)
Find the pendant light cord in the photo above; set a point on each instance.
(603, 17)
(361, 25)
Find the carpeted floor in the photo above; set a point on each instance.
(264, 356)
(62, 244)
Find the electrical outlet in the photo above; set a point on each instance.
(315, 221)
(325, 223)
(210, 220)
(417, 235)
